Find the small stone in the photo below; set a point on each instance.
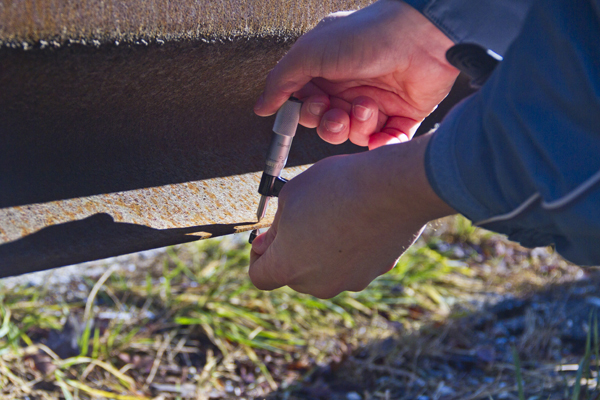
(444, 390)
(353, 396)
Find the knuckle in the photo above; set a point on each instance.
(358, 287)
(326, 294)
(266, 273)
(283, 196)
(364, 101)
(276, 270)
(256, 281)
(335, 15)
(333, 138)
(318, 292)
(278, 276)
(330, 291)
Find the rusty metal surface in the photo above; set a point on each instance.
(57, 233)
(60, 21)
(106, 151)
(124, 148)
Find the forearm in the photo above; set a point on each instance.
(521, 156)
(492, 24)
(394, 179)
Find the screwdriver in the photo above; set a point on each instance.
(284, 129)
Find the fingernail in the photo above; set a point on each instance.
(259, 103)
(334, 127)
(393, 140)
(362, 113)
(317, 108)
(403, 138)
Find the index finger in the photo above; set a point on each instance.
(286, 78)
(261, 270)
(396, 130)
(263, 261)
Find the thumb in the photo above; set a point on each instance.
(263, 241)
(262, 262)
(286, 78)
(262, 259)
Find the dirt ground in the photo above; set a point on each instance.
(510, 315)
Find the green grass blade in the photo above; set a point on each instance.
(84, 341)
(584, 364)
(5, 322)
(519, 377)
(597, 350)
(96, 343)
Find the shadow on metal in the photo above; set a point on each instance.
(82, 121)
(95, 237)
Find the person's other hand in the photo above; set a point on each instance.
(346, 220)
(371, 76)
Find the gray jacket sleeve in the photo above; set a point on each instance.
(522, 155)
(493, 24)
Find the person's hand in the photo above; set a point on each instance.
(345, 221)
(371, 76)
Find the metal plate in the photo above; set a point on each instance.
(57, 233)
(123, 148)
(116, 149)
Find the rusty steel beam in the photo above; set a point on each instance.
(56, 233)
(57, 22)
(119, 149)
(112, 149)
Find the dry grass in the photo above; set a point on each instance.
(109, 21)
(192, 326)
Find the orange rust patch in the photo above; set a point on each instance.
(229, 201)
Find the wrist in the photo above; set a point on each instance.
(394, 178)
(425, 34)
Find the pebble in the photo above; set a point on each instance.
(444, 390)
(60, 277)
(353, 396)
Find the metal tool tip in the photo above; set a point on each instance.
(262, 207)
(253, 236)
